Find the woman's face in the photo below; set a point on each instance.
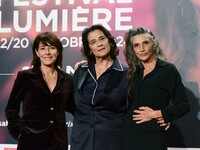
(143, 47)
(99, 44)
(47, 54)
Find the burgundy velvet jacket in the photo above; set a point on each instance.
(43, 111)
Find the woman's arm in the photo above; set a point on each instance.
(13, 107)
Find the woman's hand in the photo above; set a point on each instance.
(143, 114)
(163, 124)
(78, 63)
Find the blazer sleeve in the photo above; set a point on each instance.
(180, 105)
(13, 107)
(71, 103)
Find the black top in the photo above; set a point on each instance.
(161, 89)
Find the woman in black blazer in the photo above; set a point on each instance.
(153, 85)
(45, 92)
(100, 90)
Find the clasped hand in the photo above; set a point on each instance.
(144, 114)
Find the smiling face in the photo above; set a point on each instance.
(99, 44)
(143, 47)
(47, 54)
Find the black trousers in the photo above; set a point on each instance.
(37, 142)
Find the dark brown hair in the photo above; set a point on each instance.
(47, 38)
(86, 50)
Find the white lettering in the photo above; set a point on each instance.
(3, 123)
(3, 30)
(71, 2)
(71, 41)
(65, 41)
(59, 19)
(76, 19)
(105, 20)
(70, 70)
(21, 3)
(53, 16)
(69, 124)
(124, 1)
(74, 41)
(88, 1)
(64, 20)
(39, 2)
(120, 19)
(28, 22)
(58, 2)
(26, 67)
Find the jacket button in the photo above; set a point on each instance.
(51, 121)
(51, 108)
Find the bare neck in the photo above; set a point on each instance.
(46, 70)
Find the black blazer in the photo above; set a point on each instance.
(99, 126)
(43, 111)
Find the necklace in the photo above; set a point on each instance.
(100, 71)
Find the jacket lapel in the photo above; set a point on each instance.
(82, 76)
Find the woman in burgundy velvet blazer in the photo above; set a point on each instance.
(45, 93)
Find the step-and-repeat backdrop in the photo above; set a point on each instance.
(176, 23)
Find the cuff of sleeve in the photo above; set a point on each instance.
(165, 115)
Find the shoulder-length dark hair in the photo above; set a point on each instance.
(47, 38)
(86, 50)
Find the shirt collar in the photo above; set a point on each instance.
(160, 63)
(116, 65)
